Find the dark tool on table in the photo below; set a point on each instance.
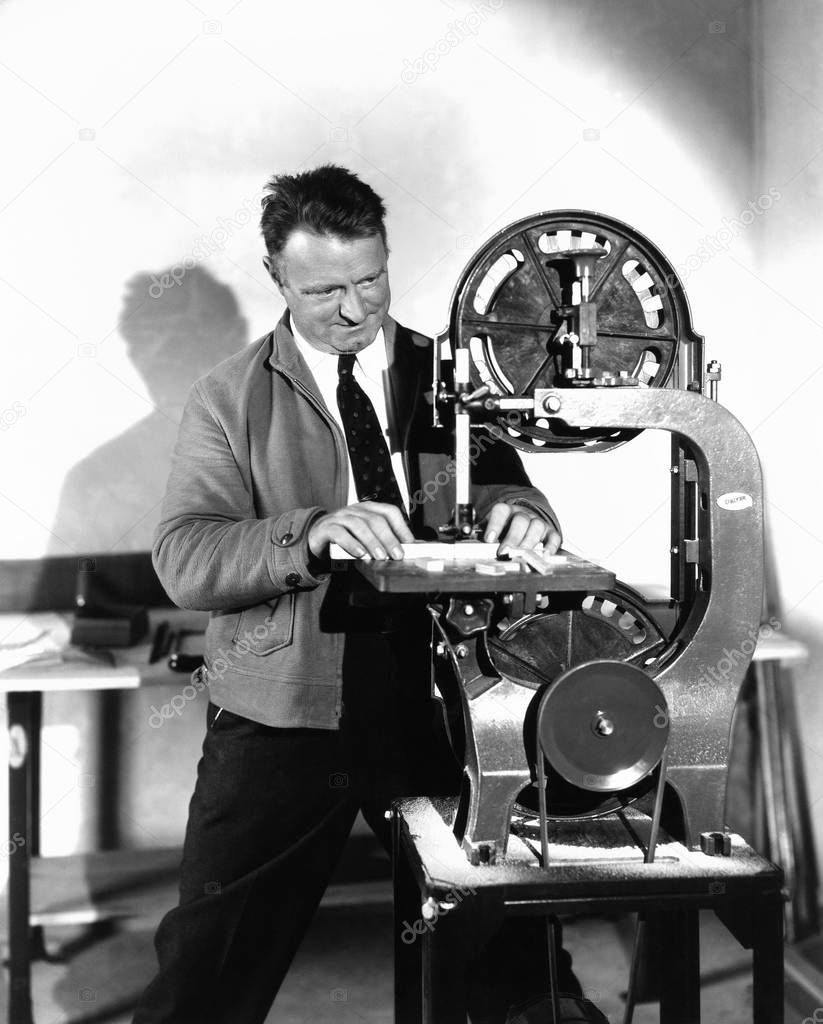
(180, 660)
(100, 618)
(160, 642)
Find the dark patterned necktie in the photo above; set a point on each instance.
(368, 451)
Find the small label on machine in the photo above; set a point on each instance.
(735, 501)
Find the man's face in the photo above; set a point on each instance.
(337, 289)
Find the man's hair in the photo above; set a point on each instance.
(328, 200)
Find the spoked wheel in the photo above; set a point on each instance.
(598, 629)
(507, 311)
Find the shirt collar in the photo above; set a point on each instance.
(372, 359)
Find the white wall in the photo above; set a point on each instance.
(789, 340)
(139, 134)
(192, 113)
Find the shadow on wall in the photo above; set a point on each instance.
(110, 503)
(110, 500)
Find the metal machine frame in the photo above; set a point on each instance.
(571, 331)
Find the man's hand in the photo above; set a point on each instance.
(368, 529)
(516, 526)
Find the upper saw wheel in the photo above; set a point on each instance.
(505, 311)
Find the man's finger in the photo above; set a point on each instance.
(551, 545)
(339, 535)
(498, 517)
(382, 529)
(516, 530)
(534, 534)
(394, 517)
(372, 532)
(384, 525)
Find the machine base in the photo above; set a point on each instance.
(446, 909)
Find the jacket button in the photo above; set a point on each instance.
(292, 579)
(285, 538)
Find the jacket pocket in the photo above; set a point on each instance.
(266, 627)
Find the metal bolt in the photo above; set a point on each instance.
(675, 470)
(440, 649)
(713, 374)
(387, 815)
(468, 609)
(485, 853)
(461, 651)
(603, 726)
(716, 844)
(675, 550)
(552, 404)
(429, 909)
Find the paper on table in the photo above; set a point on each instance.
(41, 638)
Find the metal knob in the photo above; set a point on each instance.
(602, 726)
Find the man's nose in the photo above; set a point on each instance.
(352, 307)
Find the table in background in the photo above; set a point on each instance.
(24, 687)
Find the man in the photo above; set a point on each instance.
(318, 702)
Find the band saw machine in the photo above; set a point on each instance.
(569, 695)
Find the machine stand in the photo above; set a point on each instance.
(447, 909)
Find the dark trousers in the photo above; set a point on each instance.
(271, 812)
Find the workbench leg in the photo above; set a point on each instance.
(408, 961)
(445, 966)
(19, 706)
(767, 959)
(37, 938)
(680, 974)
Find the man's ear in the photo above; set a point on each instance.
(269, 264)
